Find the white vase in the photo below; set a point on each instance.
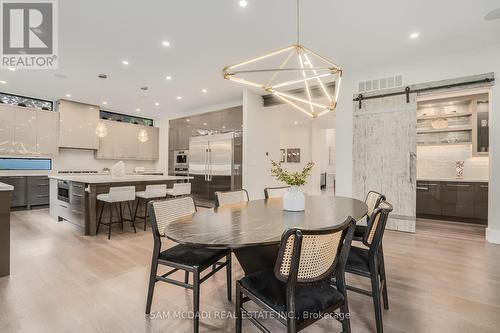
(294, 200)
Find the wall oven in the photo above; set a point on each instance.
(181, 158)
(63, 190)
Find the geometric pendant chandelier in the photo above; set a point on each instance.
(295, 74)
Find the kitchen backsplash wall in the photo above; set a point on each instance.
(439, 162)
(81, 159)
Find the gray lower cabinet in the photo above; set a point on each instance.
(18, 198)
(38, 190)
(28, 190)
(77, 204)
(465, 201)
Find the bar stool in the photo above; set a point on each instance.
(151, 192)
(179, 189)
(116, 195)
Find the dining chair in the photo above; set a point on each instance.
(369, 262)
(187, 258)
(275, 192)
(298, 292)
(179, 189)
(151, 192)
(116, 196)
(231, 197)
(372, 200)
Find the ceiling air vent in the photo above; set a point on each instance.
(389, 82)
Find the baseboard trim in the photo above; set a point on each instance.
(493, 236)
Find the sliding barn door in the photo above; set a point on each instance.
(384, 155)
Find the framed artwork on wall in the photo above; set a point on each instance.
(282, 155)
(293, 155)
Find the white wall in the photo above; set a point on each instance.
(327, 140)
(433, 68)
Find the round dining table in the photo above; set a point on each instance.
(253, 229)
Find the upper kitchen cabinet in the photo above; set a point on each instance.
(7, 129)
(27, 132)
(122, 142)
(77, 125)
(149, 150)
(47, 123)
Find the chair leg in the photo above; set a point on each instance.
(152, 281)
(196, 300)
(239, 319)
(229, 276)
(346, 322)
(100, 218)
(376, 296)
(186, 277)
(110, 220)
(136, 208)
(291, 324)
(145, 214)
(120, 214)
(383, 279)
(132, 220)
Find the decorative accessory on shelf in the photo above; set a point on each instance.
(296, 85)
(459, 169)
(440, 123)
(294, 199)
(101, 130)
(143, 136)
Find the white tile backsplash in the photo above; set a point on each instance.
(436, 162)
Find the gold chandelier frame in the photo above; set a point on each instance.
(310, 74)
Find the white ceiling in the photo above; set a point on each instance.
(205, 36)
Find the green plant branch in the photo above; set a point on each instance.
(291, 178)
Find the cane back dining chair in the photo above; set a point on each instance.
(230, 198)
(298, 291)
(370, 262)
(275, 192)
(187, 258)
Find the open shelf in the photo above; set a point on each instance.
(449, 129)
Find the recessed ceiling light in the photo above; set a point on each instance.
(165, 43)
(243, 3)
(168, 77)
(188, 120)
(138, 110)
(414, 35)
(295, 122)
(104, 103)
(12, 69)
(157, 104)
(223, 127)
(179, 97)
(3, 82)
(125, 62)
(204, 91)
(68, 95)
(205, 124)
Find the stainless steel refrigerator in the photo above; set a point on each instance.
(215, 164)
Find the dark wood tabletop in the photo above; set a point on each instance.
(261, 222)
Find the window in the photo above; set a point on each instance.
(8, 163)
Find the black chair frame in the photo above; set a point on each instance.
(377, 273)
(119, 214)
(195, 270)
(337, 271)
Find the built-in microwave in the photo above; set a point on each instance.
(63, 190)
(181, 157)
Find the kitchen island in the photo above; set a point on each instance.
(5, 194)
(74, 197)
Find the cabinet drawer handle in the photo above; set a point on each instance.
(63, 206)
(483, 186)
(432, 184)
(422, 188)
(42, 184)
(457, 185)
(42, 196)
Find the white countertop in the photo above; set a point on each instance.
(6, 187)
(22, 174)
(104, 179)
(465, 180)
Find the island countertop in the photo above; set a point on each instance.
(106, 179)
(6, 187)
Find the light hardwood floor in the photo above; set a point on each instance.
(62, 281)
